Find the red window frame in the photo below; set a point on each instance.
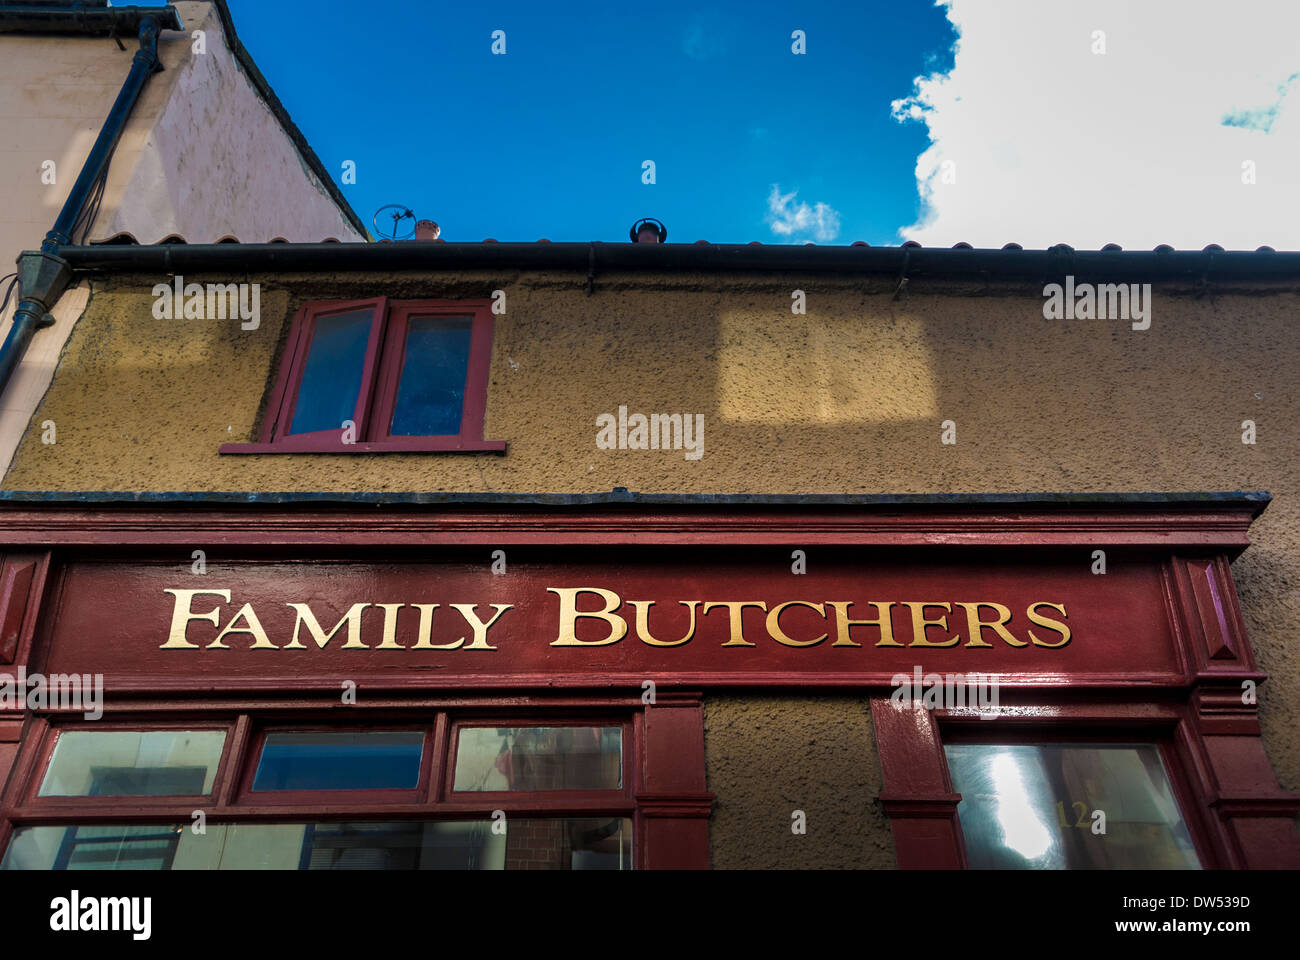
(252, 758)
(662, 789)
(918, 795)
(963, 730)
(380, 378)
(627, 743)
(70, 803)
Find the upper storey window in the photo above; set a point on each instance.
(380, 376)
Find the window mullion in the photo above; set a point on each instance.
(438, 772)
(374, 374)
(228, 777)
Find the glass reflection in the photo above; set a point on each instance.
(340, 761)
(331, 378)
(539, 758)
(431, 389)
(121, 763)
(1022, 831)
(1043, 807)
(592, 843)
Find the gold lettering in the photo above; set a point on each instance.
(734, 610)
(642, 608)
(389, 642)
(884, 621)
(1048, 622)
(569, 614)
(246, 621)
(920, 624)
(774, 623)
(469, 612)
(182, 615)
(976, 625)
(260, 640)
(352, 618)
(426, 627)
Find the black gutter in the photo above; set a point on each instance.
(910, 262)
(43, 276)
(87, 19)
(1258, 499)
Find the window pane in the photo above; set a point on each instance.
(118, 763)
(331, 377)
(539, 758)
(97, 847)
(593, 843)
(431, 390)
(1033, 807)
(340, 761)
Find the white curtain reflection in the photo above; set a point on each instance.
(1022, 831)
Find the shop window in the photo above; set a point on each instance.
(539, 758)
(446, 793)
(1068, 806)
(375, 760)
(117, 763)
(599, 843)
(1093, 788)
(94, 847)
(379, 376)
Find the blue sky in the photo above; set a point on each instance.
(549, 139)
(1084, 122)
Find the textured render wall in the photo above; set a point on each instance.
(846, 399)
(768, 756)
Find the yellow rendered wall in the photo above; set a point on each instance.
(796, 779)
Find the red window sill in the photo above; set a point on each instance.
(404, 445)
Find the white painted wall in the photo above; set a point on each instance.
(217, 163)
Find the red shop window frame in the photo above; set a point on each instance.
(1161, 735)
(598, 797)
(49, 738)
(918, 796)
(361, 795)
(381, 374)
(663, 788)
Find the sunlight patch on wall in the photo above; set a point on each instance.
(836, 369)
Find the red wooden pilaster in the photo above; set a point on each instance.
(918, 797)
(1253, 818)
(673, 806)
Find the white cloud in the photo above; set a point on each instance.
(1044, 141)
(820, 221)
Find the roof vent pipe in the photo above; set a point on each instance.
(648, 230)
